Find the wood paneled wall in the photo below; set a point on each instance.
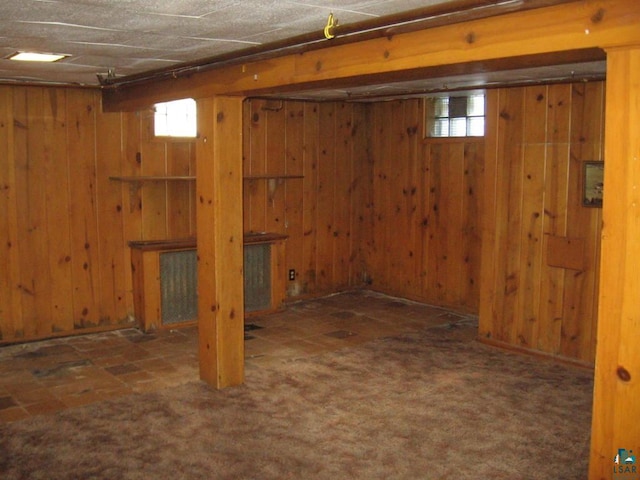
(377, 205)
(326, 144)
(423, 230)
(64, 224)
(538, 140)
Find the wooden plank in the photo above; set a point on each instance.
(111, 236)
(131, 199)
(531, 240)
(20, 151)
(246, 165)
(411, 192)
(275, 163)
(220, 244)
(145, 266)
(377, 261)
(398, 240)
(362, 194)
(34, 162)
(342, 200)
(310, 197)
(10, 295)
(81, 113)
(453, 252)
(436, 227)
(389, 199)
(512, 116)
(472, 211)
(326, 187)
(278, 274)
(617, 373)
(58, 203)
(426, 214)
(153, 158)
(257, 165)
(179, 195)
(137, 271)
(294, 205)
(493, 204)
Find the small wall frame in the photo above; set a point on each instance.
(592, 184)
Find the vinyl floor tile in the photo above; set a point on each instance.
(45, 377)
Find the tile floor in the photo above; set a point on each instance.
(45, 377)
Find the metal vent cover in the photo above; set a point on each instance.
(257, 277)
(179, 286)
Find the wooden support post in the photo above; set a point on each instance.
(616, 407)
(219, 238)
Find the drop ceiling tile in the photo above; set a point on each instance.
(183, 8)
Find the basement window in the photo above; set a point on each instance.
(175, 119)
(455, 116)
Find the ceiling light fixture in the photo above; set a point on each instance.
(36, 57)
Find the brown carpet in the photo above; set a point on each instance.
(428, 405)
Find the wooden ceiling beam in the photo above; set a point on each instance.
(578, 25)
(448, 71)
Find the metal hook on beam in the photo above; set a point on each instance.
(328, 30)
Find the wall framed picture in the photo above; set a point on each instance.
(592, 184)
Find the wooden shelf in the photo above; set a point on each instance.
(153, 178)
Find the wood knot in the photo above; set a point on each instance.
(318, 66)
(598, 16)
(386, 54)
(623, 374)
(470, 38)
(220, 117)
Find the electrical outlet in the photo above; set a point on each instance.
(292, 274)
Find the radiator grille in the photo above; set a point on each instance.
(179, 286)
(257, 277)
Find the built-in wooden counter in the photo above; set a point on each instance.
(152, 261)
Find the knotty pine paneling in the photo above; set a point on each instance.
(323, 142)
(377, 204)
(424, 210)
(64, 224)
(540, 137)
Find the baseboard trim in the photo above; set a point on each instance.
(571, 362)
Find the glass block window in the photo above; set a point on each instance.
(455, 116)
(175, 119)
